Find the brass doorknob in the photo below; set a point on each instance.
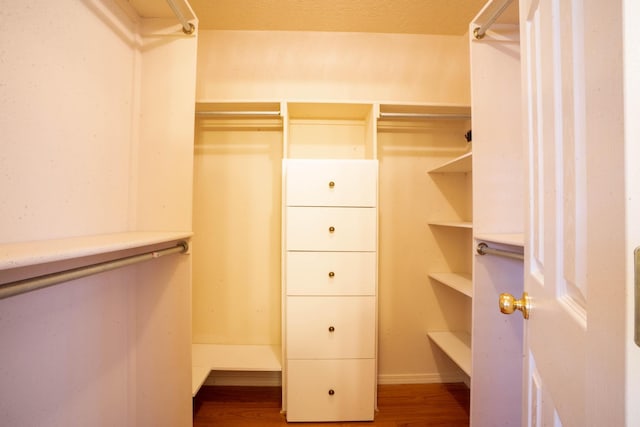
(508, 304)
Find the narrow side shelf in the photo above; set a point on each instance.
(218, 357)
(461, 282)
(456, 345)
(453, 224)
(461, 164)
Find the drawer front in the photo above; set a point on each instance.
(330, 327)
(331, 273)
(331, 229)
(330, 390)
(331, 182)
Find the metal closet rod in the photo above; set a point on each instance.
(238, 113)
(187, 27)
(480, 31)
(27, 285)
(484, 249)
(423, 116)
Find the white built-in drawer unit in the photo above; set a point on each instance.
(330, 244)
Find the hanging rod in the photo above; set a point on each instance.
(187, 27)
(238, 113)
(27, 285)
(484, 249)
(424, 116)
(479, 32)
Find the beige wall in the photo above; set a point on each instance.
(243, 195)
(246, 65)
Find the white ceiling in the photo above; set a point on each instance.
(378, 16)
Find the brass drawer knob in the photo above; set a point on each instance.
(332, 274)
(331, 392)
(332, 184)
(332, 229)
(331, 329)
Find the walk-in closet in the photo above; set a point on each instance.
(325, 198)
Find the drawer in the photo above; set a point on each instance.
(310, 182)
(331, 229)
(331, 273)
(330, 327)
(331, 390)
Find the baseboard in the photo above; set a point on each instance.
(420, 378)
(274, 379)
(245, 378)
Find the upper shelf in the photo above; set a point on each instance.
(457, 165)
(239, 115)
(424, 112)
(23, 254)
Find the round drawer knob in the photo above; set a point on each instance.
(332, 229)
(331, 392)
(332, 274)
(331, 329)
(332, 184)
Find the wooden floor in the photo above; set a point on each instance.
(399, 405)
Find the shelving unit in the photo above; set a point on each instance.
(104, 180)
(330, 181)
(498, 219)
(456, 344)
(236, 305)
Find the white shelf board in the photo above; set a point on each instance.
(199, 375)
(455, 224)
(456, 345)
(513, 239)
(23, 254)
(219, 357)
(461, 282)
(458, 165)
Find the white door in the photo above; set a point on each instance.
(575, 338)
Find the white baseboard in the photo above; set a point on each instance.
(274, 379)
(245, 378)
(420, 378)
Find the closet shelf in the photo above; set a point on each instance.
(238, 115)
(461, 164)
(513, 239)
(23, 254)
(460, 282)
(456, 345)
(219, 357)
(453, 224)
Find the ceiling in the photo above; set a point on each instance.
(450, 17)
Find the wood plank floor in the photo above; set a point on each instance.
(410, 405)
